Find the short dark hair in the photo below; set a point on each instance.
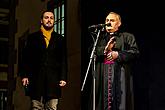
(42, 14)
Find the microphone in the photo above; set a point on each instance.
(99, 25)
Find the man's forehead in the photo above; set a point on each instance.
(111, 16)
(48, 14)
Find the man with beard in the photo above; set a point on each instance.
(43, 65)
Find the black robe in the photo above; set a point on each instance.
(44, 67)
(122, 91)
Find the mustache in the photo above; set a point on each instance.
(49, 22)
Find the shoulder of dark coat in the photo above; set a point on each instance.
(58, 36)
(126, 34)
(34, 34)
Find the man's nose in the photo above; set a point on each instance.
(108, 22)
(48, 19)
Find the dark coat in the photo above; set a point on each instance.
(44, 67)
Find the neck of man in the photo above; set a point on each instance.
(47, 34)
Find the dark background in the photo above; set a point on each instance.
(145, 19)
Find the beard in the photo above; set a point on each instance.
(47, 27)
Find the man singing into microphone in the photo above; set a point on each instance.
(43, 65)
(116, 52)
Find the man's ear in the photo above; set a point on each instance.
(119, 24)
(41, 21)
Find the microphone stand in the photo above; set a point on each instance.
(92, 57)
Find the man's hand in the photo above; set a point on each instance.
(62, 83)
(112, 55)
(111, 43)
(25, 81)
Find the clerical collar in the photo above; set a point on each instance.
(111, 33)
